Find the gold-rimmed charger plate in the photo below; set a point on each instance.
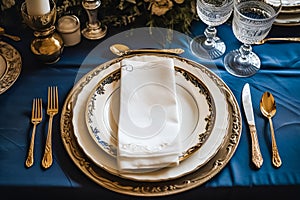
(212, 136)
(159, 188)
(10, 66)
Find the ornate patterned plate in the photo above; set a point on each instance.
(207, 150)
(196, 111)
(226, 144)
(10, 66)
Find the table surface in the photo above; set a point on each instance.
(279, 74)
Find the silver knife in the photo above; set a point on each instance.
(247, 104)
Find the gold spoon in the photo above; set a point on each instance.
(15, 38)
(121, 49)
(268, 109)
(287, 39)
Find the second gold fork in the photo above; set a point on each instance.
(52, 109)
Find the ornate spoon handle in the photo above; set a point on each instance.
(15, 38)
(287, 39)
(175, 51)
(276, 160)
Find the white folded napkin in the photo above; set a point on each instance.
(148, 133)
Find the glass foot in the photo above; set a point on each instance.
(202, 49)
(241, 67)
(94, 33)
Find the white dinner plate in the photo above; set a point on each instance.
(195, 105)
(209, 148)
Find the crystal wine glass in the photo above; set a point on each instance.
(213, 13)
(252, 21)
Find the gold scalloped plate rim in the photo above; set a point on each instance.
(159, 188)
(13, 61)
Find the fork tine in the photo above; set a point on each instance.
(40, 110)
(56, 98)
(33, 108)
(49, 98)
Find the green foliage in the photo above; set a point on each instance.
(145, 12)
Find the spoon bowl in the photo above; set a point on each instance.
(121, 50)
(268, 109)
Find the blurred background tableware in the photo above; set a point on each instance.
(279, 39)
(94, 29)
(213, 13)
(13, 37)
(268, 109)
(289, 14)
(69, 28)
(47, 44)
(252, 22)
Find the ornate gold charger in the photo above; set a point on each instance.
(10, 66)
(187, 181)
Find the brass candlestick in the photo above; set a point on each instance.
(94, 29)
(47, 44)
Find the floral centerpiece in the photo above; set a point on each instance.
(173, 14)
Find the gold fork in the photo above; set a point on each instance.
(52, 109)
(36, 118)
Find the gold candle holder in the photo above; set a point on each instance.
(47, 44)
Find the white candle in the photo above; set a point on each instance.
(38, 7)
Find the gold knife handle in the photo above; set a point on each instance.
(256, 154)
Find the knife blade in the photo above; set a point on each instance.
(257, 158)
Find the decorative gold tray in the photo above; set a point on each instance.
(154, 188)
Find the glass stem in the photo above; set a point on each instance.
(91, 7)
(210, 32)
(245, 50)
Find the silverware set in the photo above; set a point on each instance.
(268, 109)
(36, 118)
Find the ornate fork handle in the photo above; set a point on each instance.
(30, 160)
(47, 158)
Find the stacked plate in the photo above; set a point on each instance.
(289, 14)
(210, 129)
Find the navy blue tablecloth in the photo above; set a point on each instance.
(279, 74)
